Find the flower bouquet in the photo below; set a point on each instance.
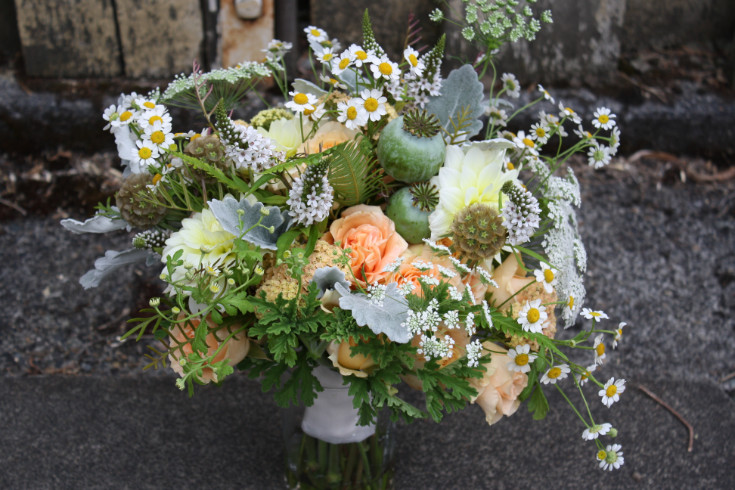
(378, 233)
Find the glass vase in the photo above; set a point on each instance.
(325, 448)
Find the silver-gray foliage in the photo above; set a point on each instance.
(387, 317)
(461, 91)
(239, 216)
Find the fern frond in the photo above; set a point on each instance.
(460, 121)
(354, 172)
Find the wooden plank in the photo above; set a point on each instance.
(68, 38)
(160, 38)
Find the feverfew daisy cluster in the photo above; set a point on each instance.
(373, 223)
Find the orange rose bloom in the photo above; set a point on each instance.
(498, 390)
(328, 135)
(234, 350)
(371, 236)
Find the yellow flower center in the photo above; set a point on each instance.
(540, 132)
(601, 454)
(315, 33)
(351, 113)
(569, 111)
(611, 390)
(533, 315)
(548, 275)
(554, 372)
(126, 115)
(327, 56)
(149, 105)
(385, 68)
(344, 63)
(300, 99)
(603, 119)
(154, 120)
(195, 137)
(510, 165)
(361, 55)
(158, 137)
(571, 302)
(600, 349)
(309, 111)
(528, 142)
(157, 178)
(145, 153)
(412, 59)
(595, 314)
(371, 104)
(521, 359)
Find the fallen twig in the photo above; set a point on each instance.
(683, 165)
(728, 377)
(674, 412)
(14, 206)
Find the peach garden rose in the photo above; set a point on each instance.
(234, 350)
(372, 239)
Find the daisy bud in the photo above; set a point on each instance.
(175, 310)
(613, 433)
(154, 302)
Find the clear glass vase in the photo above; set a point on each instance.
(325, 448)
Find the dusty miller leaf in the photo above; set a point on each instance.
(386, 318)
(227, 213)
(327, 278)
(110, 263)
(460, 92)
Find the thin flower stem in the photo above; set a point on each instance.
(571, 405)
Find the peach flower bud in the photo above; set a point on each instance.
(498, 390)
(234, 350)
(347, 362)
(511, 279)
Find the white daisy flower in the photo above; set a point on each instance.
(416, 66)
(316, 113)
(151, 117)
(145, 153)
(521, 359)
(540, 132)
(326, 56)
(511, 85)
(525, 143)
(599, 347)
(614, 140)
(610, 393)
(497, 116)
(611, 458)
(618, 334)
(342, 62)
(582, 133)
(532, 317)
(555, 373)
(595, 431)
(568, 112)
(301, 102)
(546, 94)
(374, 103)
(111, 114)
(603, 118)
(546, 276)
(585, 376)
(598, 156)
(360, 56)
(594, 314)
(385, 68)
(352, 114)
(159, 136)
(147, 104)
(315, 34)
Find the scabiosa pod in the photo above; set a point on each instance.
(311, 195)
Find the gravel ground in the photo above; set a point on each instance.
(661, 258)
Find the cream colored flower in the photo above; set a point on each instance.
(204, 243)
(286, 134)
(498, 390)
(471, 174)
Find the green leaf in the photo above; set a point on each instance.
(538, 404)
(232, 182)
(354, 173)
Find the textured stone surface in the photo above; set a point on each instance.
(343, 19)
(583, 43)
(160, 38)
(648, 23)
(68, 38)
(244, 39)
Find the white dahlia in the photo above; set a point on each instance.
(471, 174)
